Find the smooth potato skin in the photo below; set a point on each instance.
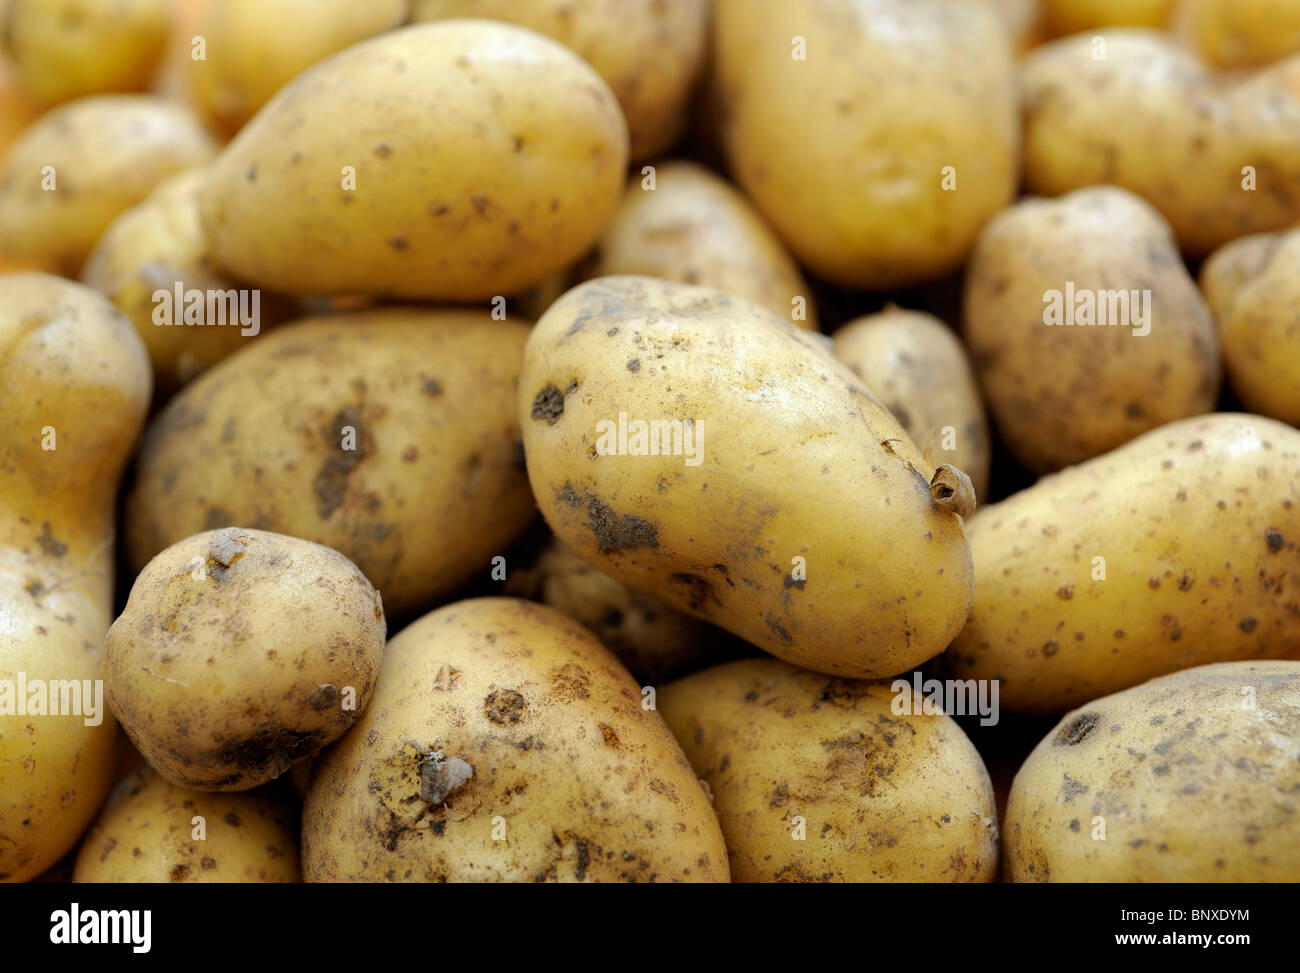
(108, 153)
(694, 228)
(69, 362)
(1245, 33)
(1199, 525)
(1192, 783)
(891, 92)
(797, 459)
(649, 51)
(914, 363)
(1063, 394)
(591, 786)
(145, 834)
(434, 488)
(1071, 16)
(884, 797)
(501, 162)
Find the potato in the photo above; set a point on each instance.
(388, 435)
(879, 154)
(876, 796)
(490, 157)
(694, 228)
(1172, 551)
(1253, 287)
(1244, 33)
(1219, 161)
(64, 49)
(1085, 327)
(74, 387)
(650, 52)
(1022, 20)
(773, 496)
(146, 834)
(17, 110)
(1072, 16)
(505, 743)
(239, 653)
(77, 167)
(1186, 778)
(914, 364)
(156, 246)
(255, 47)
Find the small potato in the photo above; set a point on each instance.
(77, 167)
(146, 834)
(505, 744)
(914, 364)
(1172, 551)
(1253, 287)
(239, 653)
(490, 156)
(1071, 16)
(1188, 778)
(155, 246)
(649, 51)
(64, 49)
(254, 48)
(877, 796)
(694, 228)
(1245, 33)
(1085, 327)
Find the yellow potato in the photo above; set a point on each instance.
(773, 495)
(505, 744)
(65, 49)
(1172, 551)
(489, 157)
(252, 48)
(147, 831)
(388, 435)
(1186, 778)
(1085, 327)
(914, 364)
(75, 383)
(77, 167)
(1253, 287)
(17, 110)
(876, 136)
(1244, 33)
(1071, 16)
(649, 51)
(694, 228)
(818, 780)
(239, 653)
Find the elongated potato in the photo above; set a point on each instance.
(490, 157)
(694, 228)
(1173, 551)
(773, 495)
(1085, 326)
(823, 780)
(388, 435)
(914, 364)
(504, 743)
(1191, 777)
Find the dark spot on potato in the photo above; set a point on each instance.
(383, 150)
(634, 365)
(548, 405)
(1050, 649)
(251, 174)
(1272, 537)
(1065, 592)
(50, 544)
(272, 748)
(1247, 625)
(779, 630)
(790, 582)
(503, 706)
(1074, 732)
(1071, 788)
(399, 243)
(431, 388)
(619, 532)
(178, 872)
(324, 698)
(611, 738)
(331, 481)
(232, 819)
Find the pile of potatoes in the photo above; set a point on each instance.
(555, 440)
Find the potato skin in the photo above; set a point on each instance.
(1244, 33)
(433, 489)
(1071, 16)
(1199, 526)
(884, 797)
(1253, 287)
(108, 153)
(694, 228)
(1193, 777)
(891, 93)
(224, 681)
(796, 459)
(256, 47)
(71, 367)
(145, 834)
(501, 161)
(650, 52)
(913, 363)
(1062, 394)
(590, 785)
